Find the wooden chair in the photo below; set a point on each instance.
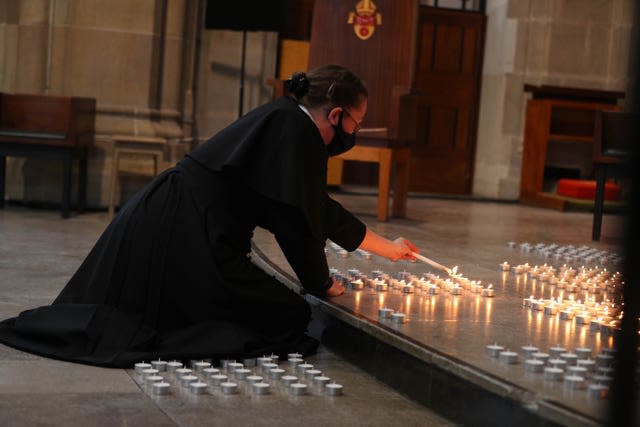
(131, 145)
(616, 133)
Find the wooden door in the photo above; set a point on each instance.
(447, 76)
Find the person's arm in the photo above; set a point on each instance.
(399, 248)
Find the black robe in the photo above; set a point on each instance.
(170, 277)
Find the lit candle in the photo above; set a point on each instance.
(505, 266)
(567, 314)
(385, 313)
(488, 291)
(527, 302)
(381, 286)
(550, 310)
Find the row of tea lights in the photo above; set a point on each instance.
(568, 253)
(410, 283)
(573, 368)
(201, 376)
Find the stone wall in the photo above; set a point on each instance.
(572, 43)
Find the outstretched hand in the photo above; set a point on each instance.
(403, 249)
(336, 289)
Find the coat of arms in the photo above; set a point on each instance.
(364, 19)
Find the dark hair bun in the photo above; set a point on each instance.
(297, 85)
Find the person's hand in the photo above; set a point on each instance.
(402, 249)
(336, 289)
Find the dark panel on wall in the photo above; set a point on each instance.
(250, 15)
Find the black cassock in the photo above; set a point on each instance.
(170, 277)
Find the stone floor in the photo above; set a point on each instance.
(38, 254)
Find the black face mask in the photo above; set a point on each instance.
(342, 141)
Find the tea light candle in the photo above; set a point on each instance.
(602, 379)
(333, 389)
(160, 365)
(321, 380)
(534, 365)
(301, 368)
(595, 325)
(260, 388)
(456, 290)
(161, 388)
(552, 374)
(182, 371)
(149, 372)
(558, 363)
(201, 365)
(295, 361)
(605, 370)
(173, 365)
(557, 351)
(433, 289)
(398, 317)
(493, 350)
(357, 285)
(266, 367)
(488, 291)
(153, 379)
(276, 373)
(381, 286)
(263, 359)
(609, 350)
(577, 370)
(385, 313)
(574, 382)
(540, 356)
(275, 358)
(538, 305)
(198, 387)
(509, 357)
(528, 302)
(408, 289)
(217, 379)
(566, 315)
(570, 358)
(528, 350)
(597, 391)
(550, 310)
(311, 373)
(232, 366)
(241, 373)
(139, 367)
(229, 387)
(604, 360)
(583, 352)
(505, 266)
(254, 379)
(288, 379)
(185, 380)
(298, 389)
(210, 371)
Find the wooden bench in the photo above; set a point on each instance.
(49, 127)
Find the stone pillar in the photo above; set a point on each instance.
(134, 57)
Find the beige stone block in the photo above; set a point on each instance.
(584, 11)
(8, 57)
(537, 50)
(514, 105)
(621, 52)
(58, 61)
(623, 12)
(33, 12)
(598, 53)
(567, 49)
(518, 8)
(543, 9)
(123, 15)
(31, 59)
(113, 67)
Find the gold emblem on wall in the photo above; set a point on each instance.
(364, 19)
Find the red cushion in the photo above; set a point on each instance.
(585, 189)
